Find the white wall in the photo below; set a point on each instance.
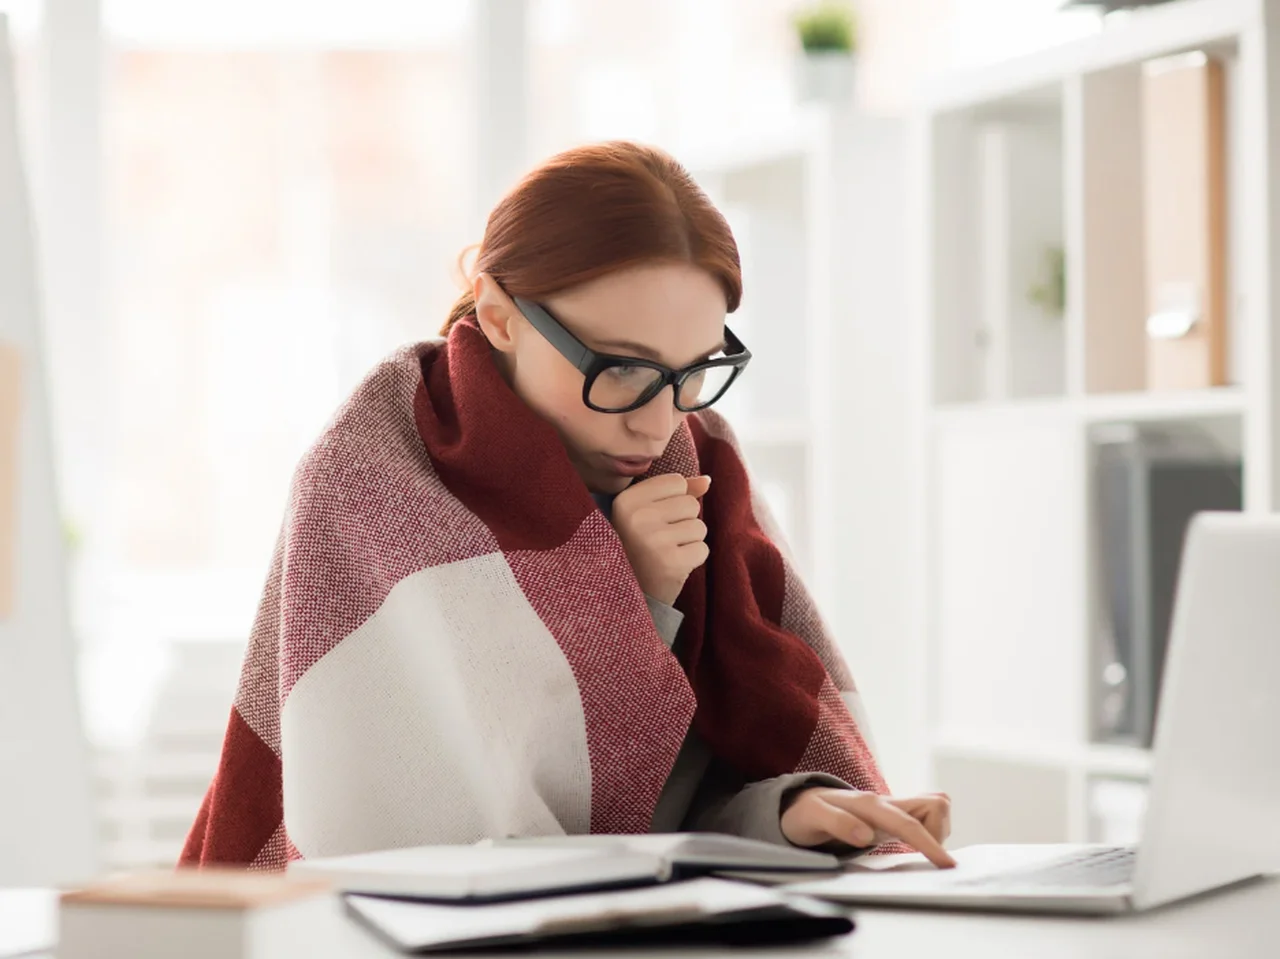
(46, 829)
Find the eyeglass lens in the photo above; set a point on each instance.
(619, 387)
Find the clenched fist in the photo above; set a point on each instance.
(657, 521)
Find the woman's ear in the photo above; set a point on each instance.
(495, 313)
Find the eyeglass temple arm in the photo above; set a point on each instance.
(736, 347)
(570, 347)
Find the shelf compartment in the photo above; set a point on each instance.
(1036, 807)
(1227, 403)
(766, 205)
(998, 251)
(1100, 759)
(1139, 406)
(1009, 553)
(1110, 247)
(1147, 481)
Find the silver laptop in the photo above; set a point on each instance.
(1216, 765)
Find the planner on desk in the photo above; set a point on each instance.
(701, 911)
(526, 868)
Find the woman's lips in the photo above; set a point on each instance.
(630, 465)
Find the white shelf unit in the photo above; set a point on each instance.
(770, 186)
(816, 206)
(1009, 400)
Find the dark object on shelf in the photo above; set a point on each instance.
(1111, 6)
(1147, 490)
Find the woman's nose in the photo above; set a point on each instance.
(658, 418)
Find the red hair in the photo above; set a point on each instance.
(595, 209)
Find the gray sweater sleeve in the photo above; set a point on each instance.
(753, 810)
(666, 619)
(723, 802)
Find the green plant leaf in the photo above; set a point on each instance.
(827, 27)
(1050, 294)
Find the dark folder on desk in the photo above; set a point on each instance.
(698, 912)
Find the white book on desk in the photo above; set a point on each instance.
(28, 921)
(526, 868)
(201, 914)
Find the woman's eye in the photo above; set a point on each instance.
(626, 374)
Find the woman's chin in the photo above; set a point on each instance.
(613, 485)
(604, 481)
(598, 477)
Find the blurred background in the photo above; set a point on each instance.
(240, 207)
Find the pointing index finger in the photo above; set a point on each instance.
(900, 825)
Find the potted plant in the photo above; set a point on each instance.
(828, 33)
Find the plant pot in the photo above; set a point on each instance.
(825, 77)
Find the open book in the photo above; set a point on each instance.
(527, 868)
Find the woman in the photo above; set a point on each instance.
(524, 587)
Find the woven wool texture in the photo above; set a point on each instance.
(451, 643)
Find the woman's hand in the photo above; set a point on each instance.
(657, 521)
(820, 815)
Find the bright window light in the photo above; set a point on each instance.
(23, 15)
(985, 31)
(384, 24)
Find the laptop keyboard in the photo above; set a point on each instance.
(1091, 868)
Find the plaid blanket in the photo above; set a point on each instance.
(451, 643)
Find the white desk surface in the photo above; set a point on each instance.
(1242, 923)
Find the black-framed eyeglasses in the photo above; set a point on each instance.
(620, 384)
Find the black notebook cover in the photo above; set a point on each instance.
(789, 919)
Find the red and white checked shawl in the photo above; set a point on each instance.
(452, 645)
